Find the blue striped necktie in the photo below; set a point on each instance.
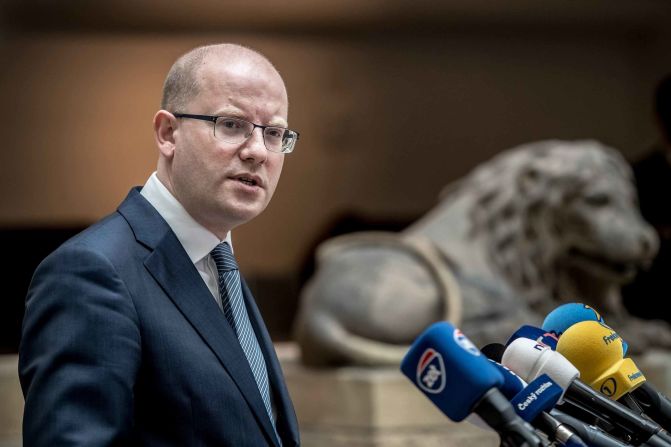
(236, 313)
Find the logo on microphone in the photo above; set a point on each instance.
(546, 335)
(634, 376)
(465, 343)
(533, 396)
(431, 372)
(608, 339)
(609, 387)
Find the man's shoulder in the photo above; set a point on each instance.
(107, 237)
(116, 232)
(107, 233)
(120, 240)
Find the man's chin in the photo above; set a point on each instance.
(240, 214)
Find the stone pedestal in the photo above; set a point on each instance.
(369, 407)
(11, 402)
(656, 366)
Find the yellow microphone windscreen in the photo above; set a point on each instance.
(596, 350)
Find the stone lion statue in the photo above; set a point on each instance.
(541, 224)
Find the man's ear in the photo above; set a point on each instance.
(164, 132)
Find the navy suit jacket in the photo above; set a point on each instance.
(124, 345)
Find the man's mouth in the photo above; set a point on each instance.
(249, 180)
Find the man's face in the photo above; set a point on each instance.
(206, 173)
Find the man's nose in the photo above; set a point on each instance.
(254, 147)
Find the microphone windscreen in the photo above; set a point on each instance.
(566, 315)
(596, 350)
(534, 333)
(542, 394)
(493, 351)
(450, 370)
(530, 359)
(512, 383)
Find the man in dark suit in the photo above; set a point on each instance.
(140, 331)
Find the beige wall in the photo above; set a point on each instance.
(386, 118)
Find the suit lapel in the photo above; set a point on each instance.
(287, 424)
(171, 267)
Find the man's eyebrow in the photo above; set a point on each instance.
(234, 112)
(231, 112)
(278, 123)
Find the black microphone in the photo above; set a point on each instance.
(591, 434)
(654, 404)
(493, 351)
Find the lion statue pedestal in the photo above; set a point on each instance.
(369, 407)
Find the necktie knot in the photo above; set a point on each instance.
(223, 258)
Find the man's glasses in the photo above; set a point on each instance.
(236, 131)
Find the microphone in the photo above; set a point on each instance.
(493, 351)
(532, 402)
(533, 333)
(512, 383)
(566, 315)
(452, 372)
(530, 359)
(593, 349)
(654, 404)
(596, 350)
(542, 394)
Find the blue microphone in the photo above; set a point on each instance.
(452, 372)
(566, 315)
(537, 334)
(532, 403)
(542, 394)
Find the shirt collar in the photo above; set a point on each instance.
(197, 240)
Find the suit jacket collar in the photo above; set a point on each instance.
(171, 267)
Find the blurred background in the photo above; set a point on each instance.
(393, 100)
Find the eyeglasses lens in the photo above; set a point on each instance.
(276, 139)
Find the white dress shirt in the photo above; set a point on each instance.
(197, 240)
